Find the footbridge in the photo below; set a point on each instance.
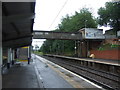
(57, 35)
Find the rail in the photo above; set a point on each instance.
(106, 79)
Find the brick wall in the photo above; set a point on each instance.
(106, 54)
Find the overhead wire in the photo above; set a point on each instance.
(58, 14)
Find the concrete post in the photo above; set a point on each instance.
(13, 55)
(1, 60)
(29, 54)
(9, 58)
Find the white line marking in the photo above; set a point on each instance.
(40, 81)
(38, 73)
(70, 72)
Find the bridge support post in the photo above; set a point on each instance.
(79, 48)
(75, 49)
(88, 51)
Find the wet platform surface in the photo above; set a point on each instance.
(42, 73)
(49, 77)
(34, 75)
(64, 76)
(23, 76)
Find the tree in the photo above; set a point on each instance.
(79, 20)
(110, 15)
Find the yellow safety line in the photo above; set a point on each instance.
(24, 47)
(67, 78)
(23, 60)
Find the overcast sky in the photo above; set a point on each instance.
(50, 12)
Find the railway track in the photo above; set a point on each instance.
(105, 79)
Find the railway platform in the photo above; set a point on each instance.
(42, 73)
(104, 61)
(20, 76)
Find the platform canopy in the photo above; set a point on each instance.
(17, 23)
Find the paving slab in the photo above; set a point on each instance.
(23, 76)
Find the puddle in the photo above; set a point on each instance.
(69, 75)
(55, 67)
(62, 72)
(46, 65)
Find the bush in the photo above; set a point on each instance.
(114, 46)
(100, 48)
